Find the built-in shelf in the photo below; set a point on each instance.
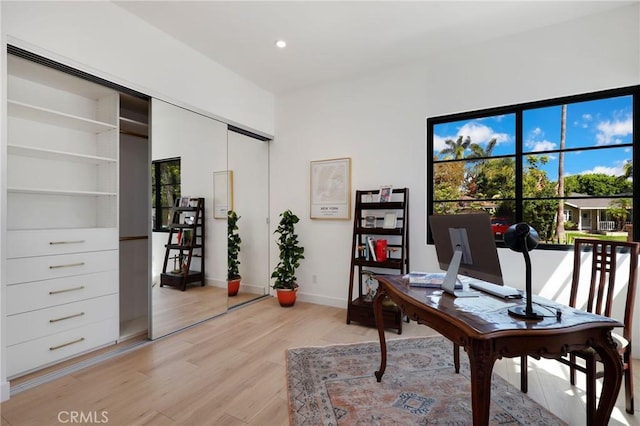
(57, 118)
(48, 154)
(43, 191)
(128, 125)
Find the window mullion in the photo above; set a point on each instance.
(519, 192)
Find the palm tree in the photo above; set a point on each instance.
(628, 169)
(619, 209)
(560, 234)
(478, 152)
(457, 148)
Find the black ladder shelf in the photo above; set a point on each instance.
(388, 221)
(186, 241)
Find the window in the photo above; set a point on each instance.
(165, 180)
(569, 158)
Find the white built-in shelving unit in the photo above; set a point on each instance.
(62, 216)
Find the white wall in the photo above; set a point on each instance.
(104, 39)
(379, 121)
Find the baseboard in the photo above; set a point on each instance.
(215, 283)
(253, 289)
(5, 390)
(322, 300)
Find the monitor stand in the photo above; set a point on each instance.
(450, 278)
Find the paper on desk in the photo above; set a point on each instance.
(482, 305)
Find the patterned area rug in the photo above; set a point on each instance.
(335, 385)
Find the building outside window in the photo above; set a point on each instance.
(563, 158)
(165, 189)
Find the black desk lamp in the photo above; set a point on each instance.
(523, 238)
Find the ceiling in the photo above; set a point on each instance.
(331, 40)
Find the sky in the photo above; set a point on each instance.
(600, 123)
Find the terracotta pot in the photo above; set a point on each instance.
(233, 286)
(286, 297)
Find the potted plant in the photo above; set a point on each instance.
(233, 249)
(290, 255)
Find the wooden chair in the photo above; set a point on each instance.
(604, 269)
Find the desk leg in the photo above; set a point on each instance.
(481, 362)
(611, 380)
(377, 311)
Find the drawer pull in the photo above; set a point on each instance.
(66, 266)
(66, 290)
(53, 243)
(53, 348)
(67, 317)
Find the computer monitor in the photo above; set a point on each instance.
(465, 245)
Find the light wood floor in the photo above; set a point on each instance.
(174, 309)
(231, 371)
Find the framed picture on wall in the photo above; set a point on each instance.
(331, 189)
(222, 193)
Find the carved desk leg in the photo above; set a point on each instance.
(481, 360)
(611, 381)
(377, 310)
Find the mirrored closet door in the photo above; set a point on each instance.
(200, 145)
(248, 160)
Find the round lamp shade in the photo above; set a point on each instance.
(521, 236)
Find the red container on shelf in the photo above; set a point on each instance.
(381, 250)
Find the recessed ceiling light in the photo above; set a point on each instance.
(281, 44)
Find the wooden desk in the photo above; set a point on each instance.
(484, 328)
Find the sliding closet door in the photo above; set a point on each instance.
(248, 158)
(199, 142)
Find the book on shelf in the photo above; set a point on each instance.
(371, 244)
(187, 235)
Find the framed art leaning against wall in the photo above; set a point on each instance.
(222, 193)
(331, 189)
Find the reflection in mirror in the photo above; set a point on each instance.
(248, 159)
(199, 143)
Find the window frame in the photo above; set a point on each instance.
(519, 155)
(156, 188)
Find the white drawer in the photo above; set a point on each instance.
(44, 294)
(36, 324)
(24, 243)
(27, 269)
(38, 353)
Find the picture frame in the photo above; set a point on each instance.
(330, 189)
(385, 193)
(390, 220)
(184, 202)
(222, 193)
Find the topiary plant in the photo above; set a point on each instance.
(233, 246)
(290, 252)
